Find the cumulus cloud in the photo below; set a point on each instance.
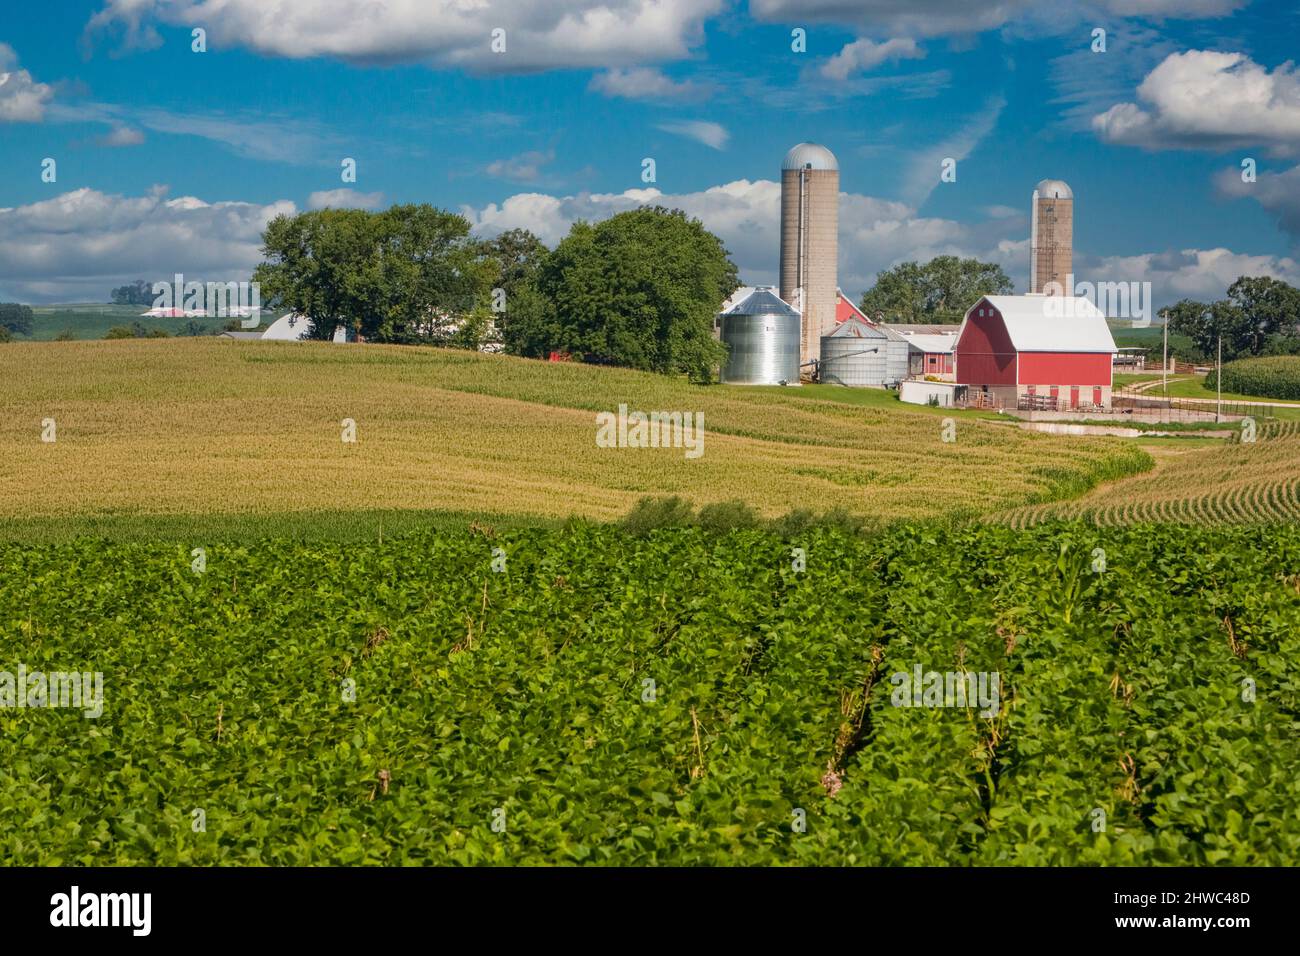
(1278, 193)
(1207, 100)
(1186, 273)
(79, 245)
(645, 83)
(524, 168)
(344, 199)
(122, 136)
(22, 99)
(865, 54)
(713, 135)
(562, 34)
(914, 17)
(874, 233)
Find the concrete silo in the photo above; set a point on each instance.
(1051, 236)
(810, 195)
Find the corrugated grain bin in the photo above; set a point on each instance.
(762, 337)
(861, 354)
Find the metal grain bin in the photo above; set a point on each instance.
(897, 355)
(859, 353)
(762, 337)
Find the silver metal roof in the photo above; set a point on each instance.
(812, 155)
(1053, 189)
(763, 301)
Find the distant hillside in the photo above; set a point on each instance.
(89, 320)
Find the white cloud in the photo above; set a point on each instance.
(1207, 100)
(562, 34)
(22, 99)
(710, 134)
(865, 54)
(79, 245)
(1174, 9)
(915, 17)
(1203, 274)
(1278, 193)
(122, 136)
(524, 168)
(257, 135)
(645, 83)
(874, 233)
(344, 199)
(926, 167)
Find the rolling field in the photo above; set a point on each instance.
(1226, 483)
(182, 434)
(681, 698)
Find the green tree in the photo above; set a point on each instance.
(136, 330)
(407, 274)
(940, 291)
(639, 289)
(1272, 310)
(138, 292)
(517, 254)
(5, 335)
(16, 318)
(1260, 315)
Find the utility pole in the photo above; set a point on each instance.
(1164, 375)
(1218, 381)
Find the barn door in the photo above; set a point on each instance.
(1074, 396)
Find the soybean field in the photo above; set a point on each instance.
(585, 696)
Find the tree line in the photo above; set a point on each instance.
(1260, 316)
(639, 289)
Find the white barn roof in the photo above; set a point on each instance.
(1038, 324)
(933, 343)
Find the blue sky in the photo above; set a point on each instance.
(171, 160)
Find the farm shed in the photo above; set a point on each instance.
(921, 392)
(931, 348)
(1036, 351)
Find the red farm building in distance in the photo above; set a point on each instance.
(1036, 351)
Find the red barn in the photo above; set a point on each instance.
(1036, 351)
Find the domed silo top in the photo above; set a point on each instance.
(810, 156)
(1053, 189)
(763, 301)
